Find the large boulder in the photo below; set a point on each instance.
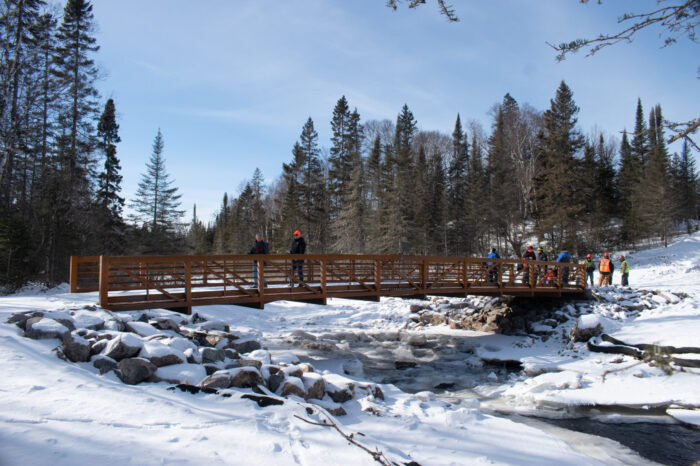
(135, 370)
(219, 379)
(212, 354)
(20, 319)
(76, 348)
(246, 377)
(244, 347)
(293, 386)
(125, 345)
(104, 363)
(586, 327)
(40, 328)
(314, 385)
(161, 355)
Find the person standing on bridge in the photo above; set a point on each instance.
(590, 267)
(492, 273)
(528, 256)
(298, 247)
(625, 271)
(259, 247)
(541, 269)
(605, 270)
(564, 257)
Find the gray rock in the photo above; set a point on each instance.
(104, 364)
(167, 360)
(219, 379)
(337, 411)
(315, 386)
(289, 387)
(21, 318)
(232, 353)
(584, 334)
(211, 368)
(40, 328)
(212, 354)
(244, 362)
(340, 394)
(164, 323)
(126, 345)
(302, 335)
(76, 348)
(433, 318)
(98, 346)
(247, 377)
(135, 370)
(246, 346)
(275, 380)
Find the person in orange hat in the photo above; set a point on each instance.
(605, 267)
(298, 247)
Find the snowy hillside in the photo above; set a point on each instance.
(64, 413)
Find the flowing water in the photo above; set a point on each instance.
(446, 365)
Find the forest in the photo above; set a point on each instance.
(383, 186)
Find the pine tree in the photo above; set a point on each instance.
(156, 200)
(654, 190)
(109, 203)
(686, 188)
(457, 179)
(560, 204)
(402, 209)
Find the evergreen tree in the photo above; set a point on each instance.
(402, 208)
(109, 203)
(559, 203)
(686, 187)
(156, 200)
(654, 190)
(457, 179)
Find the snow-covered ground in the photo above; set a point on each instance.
(62, 413)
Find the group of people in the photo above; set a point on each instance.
(606, 267)
(298, 247)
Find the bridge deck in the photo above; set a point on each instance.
(180, 282)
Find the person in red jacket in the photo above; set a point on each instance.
(529, 255)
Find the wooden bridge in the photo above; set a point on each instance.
(180, 282)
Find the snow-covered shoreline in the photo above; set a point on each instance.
(56, 412)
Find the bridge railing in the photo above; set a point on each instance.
(142, 282)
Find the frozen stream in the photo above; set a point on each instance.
(447, 366)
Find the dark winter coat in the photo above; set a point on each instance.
(260, 247)
(542, 256)
(530, 255)
(298, 246)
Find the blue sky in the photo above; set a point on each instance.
(230, 83)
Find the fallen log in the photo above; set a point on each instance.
(647, 347)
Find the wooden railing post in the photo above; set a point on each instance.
(73, 274)
(188, 284)
(261, 283)
(378, 276)
(324, 278)
(424, 271)
(104, 282)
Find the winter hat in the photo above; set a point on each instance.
(529, 248)
(589, 256)
(540, 248)
(606, 255)
(622, 257)
(297, 233)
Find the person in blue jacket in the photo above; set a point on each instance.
(564, 257)
(493, 272)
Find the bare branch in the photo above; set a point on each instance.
(676, 20)
(683, 130)
(446, 9)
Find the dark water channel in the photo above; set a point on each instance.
(459, 374)
(659, 439)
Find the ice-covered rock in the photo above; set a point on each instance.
(314, 385)
(124, 345)
(293, 386)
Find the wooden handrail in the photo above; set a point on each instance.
(142, 282)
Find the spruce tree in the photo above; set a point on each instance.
(404, 202)
(156, 201)
(109, 203)
(457, 179)
(559, 202)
